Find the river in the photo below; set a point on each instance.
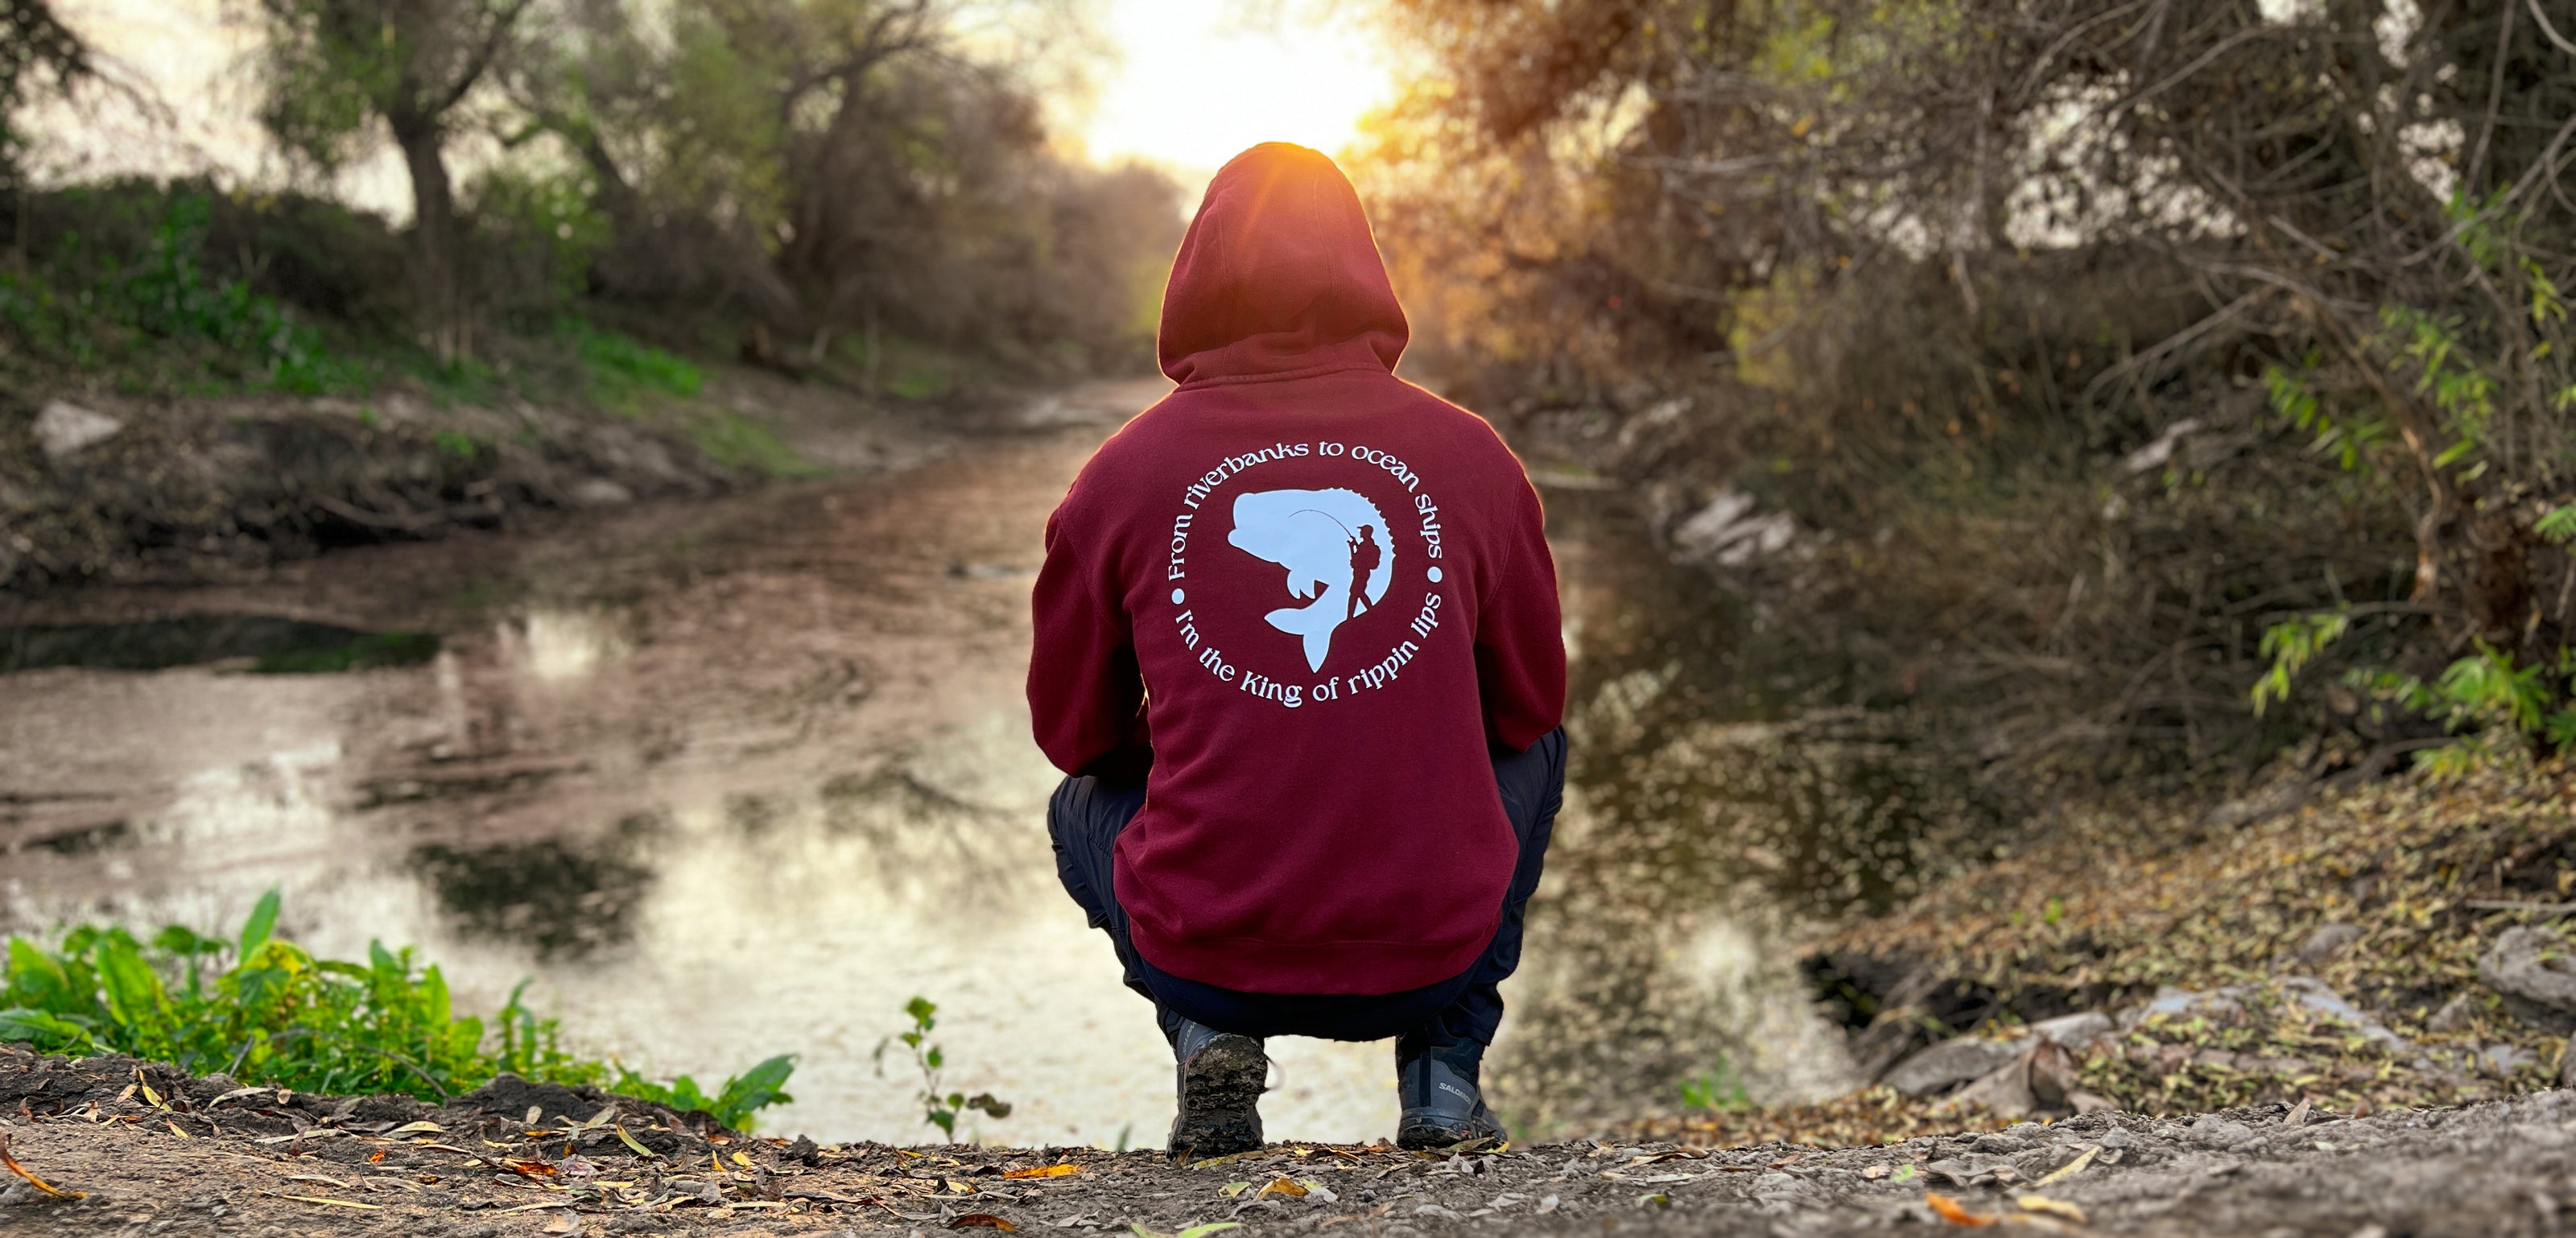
(740, 777)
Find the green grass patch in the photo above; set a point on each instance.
(456, 443)
(907, 368)
(266, 1011)
(620, 369)
(736, 441)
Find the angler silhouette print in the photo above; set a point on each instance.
(1330, 542)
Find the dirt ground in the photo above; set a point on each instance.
(140, 1149)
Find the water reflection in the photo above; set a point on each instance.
(263, 643)
(1718, 816)
(556, 645)
(559, 897)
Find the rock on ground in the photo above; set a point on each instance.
(62, 428)
(262, 1164)
(2531, 968)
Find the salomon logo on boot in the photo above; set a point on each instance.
(1221, 1077)
(1442, 1108)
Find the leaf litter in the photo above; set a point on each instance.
(486, 1166)
(2328, 956)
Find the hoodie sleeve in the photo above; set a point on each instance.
(1520, 640)
(1086, 695)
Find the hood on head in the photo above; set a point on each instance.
(1278, 275)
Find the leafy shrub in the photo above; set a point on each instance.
(86, 306)
(535, 236)
(2497, 705)
(280, 1016)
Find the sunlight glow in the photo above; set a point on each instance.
(1198, 81)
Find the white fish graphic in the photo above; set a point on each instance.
(1335, 546)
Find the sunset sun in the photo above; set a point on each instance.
(1197, 82)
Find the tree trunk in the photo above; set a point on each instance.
(436, 277)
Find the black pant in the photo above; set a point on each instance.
(1460, 1013)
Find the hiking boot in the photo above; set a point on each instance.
(1221, 1077)
(1442, 1106)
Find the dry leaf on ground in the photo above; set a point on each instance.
(2071, 1168)
(1044, 1171)
(2050, 1207)
(32, 1180)
(1948, 1209)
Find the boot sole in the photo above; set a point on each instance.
(1220, 1100)
(1430, 1136)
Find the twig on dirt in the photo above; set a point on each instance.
(336, 1203)
(2511, 904)
(32, 1180)
(407, 522)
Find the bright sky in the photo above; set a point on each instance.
(1199, 80)
(1191, 83)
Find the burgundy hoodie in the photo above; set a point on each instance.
(1311, 595)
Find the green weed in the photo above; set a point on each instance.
(735, 441)
(620, 368)
(1719, 1090)
(280, 1016)
(734, 1104)
(456, 443)
(940, 1109)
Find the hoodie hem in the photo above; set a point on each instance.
(1366, 968)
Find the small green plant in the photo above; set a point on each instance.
(734, 1104)
(456, 443)
(281, 1016)
(1718, 1090)
(939, 1108)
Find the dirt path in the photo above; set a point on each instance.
(200, 1162)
